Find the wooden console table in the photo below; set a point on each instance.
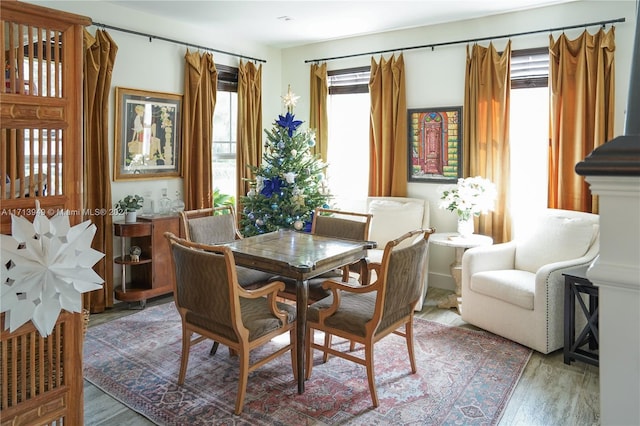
(152, 275)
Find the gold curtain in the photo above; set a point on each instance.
(388, 128)
(486, 131)
(99, 57)
(199, 101)
(318, 116)
(581, 79)
(249, 134)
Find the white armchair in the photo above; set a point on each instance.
(392, 218)
(516, 289)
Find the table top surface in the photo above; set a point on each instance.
(298, 251)
(453, 239)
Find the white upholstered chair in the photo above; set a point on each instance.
(516, 289)
(392, 218)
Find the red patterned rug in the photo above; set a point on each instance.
(464, 377)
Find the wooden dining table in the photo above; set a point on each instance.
(299, 256)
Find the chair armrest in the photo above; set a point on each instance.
(273, 287)
(486, 258)
(336, 287)
(489, 258)
(552, 272)
(271, 291)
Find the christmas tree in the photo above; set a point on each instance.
(289, 184)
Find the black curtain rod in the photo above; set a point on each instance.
(151, 37)
(447, 43)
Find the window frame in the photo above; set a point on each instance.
(350, 88)
(531, 81)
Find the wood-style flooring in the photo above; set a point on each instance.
(548, 393)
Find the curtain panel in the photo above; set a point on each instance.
(249, 132)
(318, 115)
(199, 101)
(582, 90)
(486, 148)
(388, 128)
(99, 57)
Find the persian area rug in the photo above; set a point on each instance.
(464, 377)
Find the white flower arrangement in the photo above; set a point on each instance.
(470, 197)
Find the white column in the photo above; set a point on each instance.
(617, 274)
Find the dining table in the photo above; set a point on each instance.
(299, 256)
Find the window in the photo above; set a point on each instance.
(348, 107)
(529, 136)
(225, 119)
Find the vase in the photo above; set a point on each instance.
(465, 227)
(130, 217)
(164, 204)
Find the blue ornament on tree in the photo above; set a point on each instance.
(288, 122)
(271, 186)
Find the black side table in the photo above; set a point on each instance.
(583, 347)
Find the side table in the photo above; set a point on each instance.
(585, 346)
(453, 239)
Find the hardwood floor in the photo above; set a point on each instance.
(548, 393)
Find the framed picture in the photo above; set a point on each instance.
(435, 144)
(147, 134)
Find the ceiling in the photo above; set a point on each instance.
(284, 24)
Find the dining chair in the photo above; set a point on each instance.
(366, 314)
(217, 225)
(212, 305)
(336, 224)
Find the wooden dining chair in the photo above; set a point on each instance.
(336, 224)
(212, 305)
(366, 314)
(217, 225)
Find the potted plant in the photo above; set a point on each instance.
(471, 197)
(130, 205)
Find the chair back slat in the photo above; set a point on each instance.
(341, 228)
(404, 278)
(202, 283)
(214, 225)
(212, 229)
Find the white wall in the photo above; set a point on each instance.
(436, 78)
(159, 66)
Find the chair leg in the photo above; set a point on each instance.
(214, 348)
(184, 356)
(327, 344)
(293, 350)
(352, 346)
(308, 356)
(408, 327)
(368, 351)
(242, 380)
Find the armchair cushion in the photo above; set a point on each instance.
(515, 287)
(555, 239)
(392, 219)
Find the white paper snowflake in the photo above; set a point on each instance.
(46, 266)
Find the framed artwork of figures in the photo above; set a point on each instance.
(147, 134)
(435, 144)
